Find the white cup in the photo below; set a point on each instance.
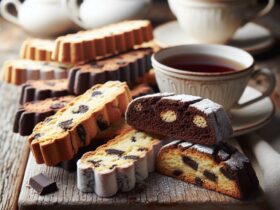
(225, 88)
(91, 14)
(39, 17)
(215, 22)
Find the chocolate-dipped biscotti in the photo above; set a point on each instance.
(31, 113)
(119, 164)
(126, 67)
(221, 167)
(37, 49)
(108, 40)
(59, 137)
(185, 117)
(19, 71)
(34, 90)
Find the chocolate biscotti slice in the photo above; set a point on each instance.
(126, 67)
(108, 40)
(37, 49)
(185, 117)
(60, 136)
(34, 90)
(19, 71)
(31, 113)
(119, 164)
(221, 167)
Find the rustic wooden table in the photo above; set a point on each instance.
(14, 150)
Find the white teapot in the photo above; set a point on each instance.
(39, 17)
(95, 13)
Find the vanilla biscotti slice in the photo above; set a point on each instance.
(19, 71)
(221, 167)
(184, 117)
(37, 49)
(59, 136)
(108, 40)
(119, 164)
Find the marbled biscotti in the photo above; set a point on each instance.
(60, 136)
(126, 67)
(108, 40)
(119, 164)
(185, 117)
(34, 90)
(31, 113)
(37, 49)
(221, 167)
(19, 71)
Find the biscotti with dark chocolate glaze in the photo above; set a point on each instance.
(221, 167)
(127, 67)
(184, 117)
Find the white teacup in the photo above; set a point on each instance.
(215, 22)
(91, 14)
(225, 88)
(39, 17)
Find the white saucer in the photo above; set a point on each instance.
(252, 37)
(251, 117)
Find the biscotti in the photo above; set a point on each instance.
(108, 40)
(126, 67)
(221, 167)
(37, 49)
(119, 164)
(60, 136)
(141, 90)
(184, 117)
(34, 90)
(31, 113)
(19, 71)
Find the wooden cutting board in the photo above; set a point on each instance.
(157, 192)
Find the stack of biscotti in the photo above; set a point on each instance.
(200, 156)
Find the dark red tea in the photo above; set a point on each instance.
(202, 63)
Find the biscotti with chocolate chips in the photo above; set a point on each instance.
(18, 72)
(37, 49)
(119, 164)
(221, 167)
(34, 90)
(108, 40)
(59, 137)
(185, 117)
(126, 67)
(31, 113)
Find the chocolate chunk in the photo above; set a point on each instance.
(81, 131)
(102, 124)
(96, 163)
(228, 173)
(66, 125)
(37, 135)
(48, 119)
(113, 166)
(191, 163)
(57, 105)
(133, 139)
(96, 93)
(209, 175)
(177, 172)
(80, 109)
(114, 152)
(198, 181)
(42, 184)
(141, 149)
(131, 157)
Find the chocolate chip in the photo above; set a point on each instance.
(81, 131)
(227, 173)
(66, 125)
(133, 139)
(57, 105)
(131, 157)
(191, 163)
(37, 135)
(102, 124)
(177, 172)
(114, 152)
(48, 119)
(80, 109)
(198, 181)
(96, 93)
(96, 163)
(209, 175)
(141, 149)
(113, 166)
